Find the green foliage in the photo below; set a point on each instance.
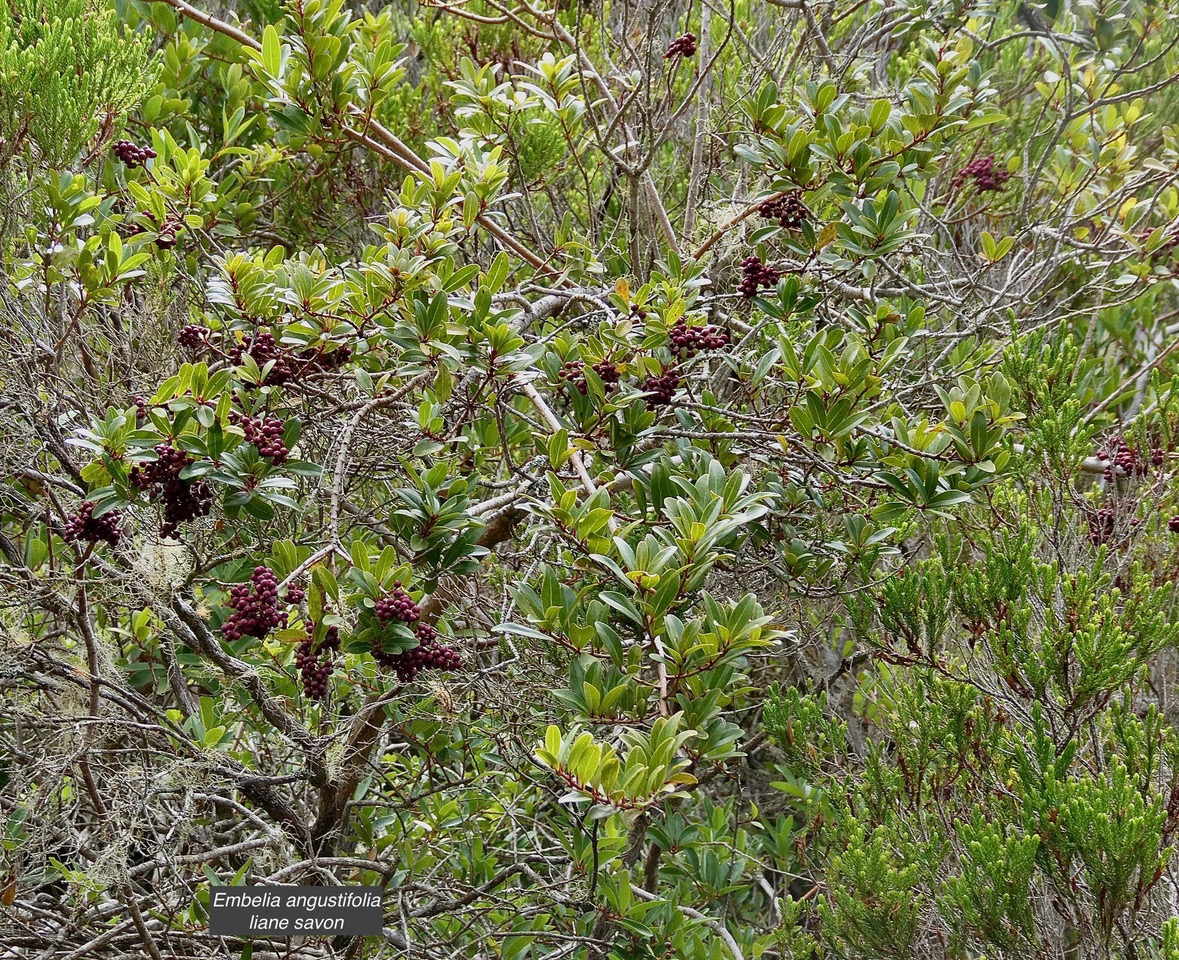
(992, 896)
(799, 724)
(874, 906)
(717, 494)
(69, 72)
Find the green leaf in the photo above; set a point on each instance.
(271, 51)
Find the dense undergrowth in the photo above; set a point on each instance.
(633, 480)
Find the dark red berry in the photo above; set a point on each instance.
(316, 665)
(1127, 461)
(194, 337)
(429, 654)
(84, 526)
(1101, 525)
(255, 606)
(318, 359)
(607, 372)
(397, 605)
(661, 388)
(756, 275)
(573, 371)
(683, 46)
(131, 154)
(168, 235)
(686, 341)
(788, 210)
(986, 176)
(183, 500)
(1105, 528)
(263, 348)
(265, 435)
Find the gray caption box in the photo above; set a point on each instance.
(295, 911)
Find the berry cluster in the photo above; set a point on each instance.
(687, 341)
(131, 154)
(316, 665)
(167, 235)
(1103, 525)
(788, 210)
(295, 595)
(1128, 461)
(317, 359)
(984, 173)
(429, 654)
(607, 372)
(263, 347)
(684, 46)
(266, 435)
(141, 409)
(183, 500)
(637, 312)
(397, 605)
(255, 606)
(1173, 524)
(194, 337)
(84, 526)
(661, 388)
(756, 276)
(573, 372)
